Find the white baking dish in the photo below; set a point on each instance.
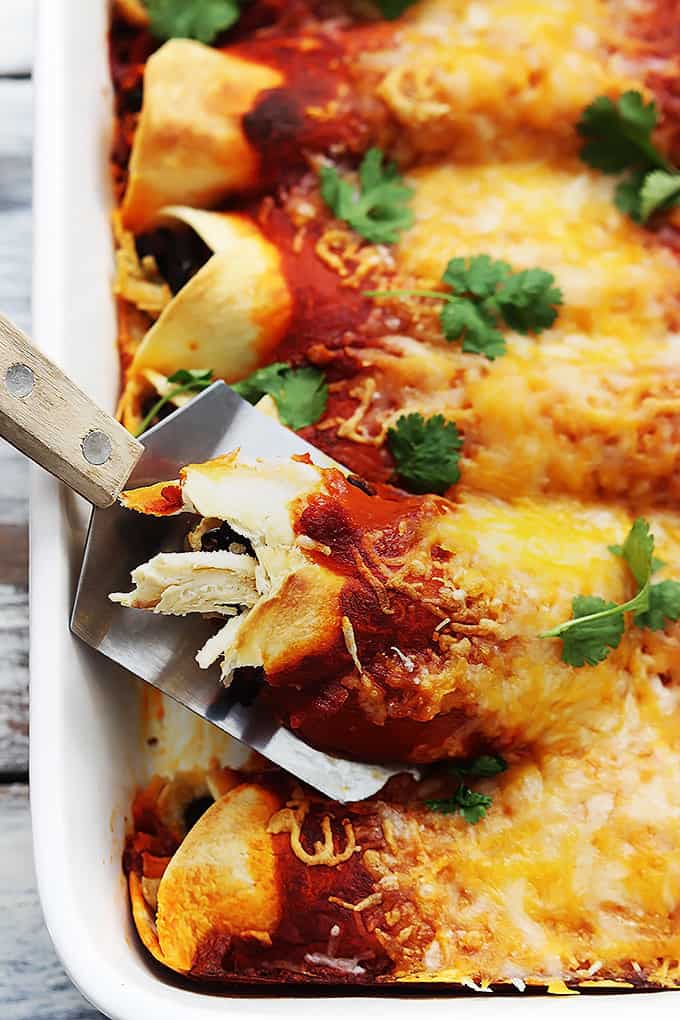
(87, 751)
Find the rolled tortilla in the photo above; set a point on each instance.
(439, 82)
(561, 881)
(190, 146)
(232, 314)
(590, 407)
(408, 628)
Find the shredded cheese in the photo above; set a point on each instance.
(291, 820)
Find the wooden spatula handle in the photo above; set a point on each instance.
(54, 423)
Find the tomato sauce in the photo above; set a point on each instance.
(364, 528)
(316, 919)
(321, 107)
(324, 312)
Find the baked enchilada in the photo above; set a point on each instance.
(438, 239)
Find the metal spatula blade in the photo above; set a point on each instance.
(161, 650)
(46, 416)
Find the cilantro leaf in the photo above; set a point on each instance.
(597, 626)
(592, 639)
(470, 804)
(660, 190)
(261, 381)
(486, 293)
(484, 765)
(664, 604)
(638, 551)
(479, 275)
(474, 325)
(473, 805)
(426, 452)
(302, 397)
(185, 380)
(618, 134)
(445, 806)
(372, 172)
(618, 137)
(627, 194)
(184, 376)
(392, 9)
(527, 300)
(300, 394)
(379, 210)
(657, 564)
(192, 19)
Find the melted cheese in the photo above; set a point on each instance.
(471, 72)
(575, 869)
(499, 574)
(617, 285)
(574, 875)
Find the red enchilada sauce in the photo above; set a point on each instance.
(362, 531)
(331, 917)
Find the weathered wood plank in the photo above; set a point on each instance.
(33, 985)
(13, 676)
(14, 488)
(15, 276)
(15, 199)
(16, 36)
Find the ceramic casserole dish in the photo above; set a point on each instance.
(96, 735)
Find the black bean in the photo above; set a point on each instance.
(360, 483)
(222, 538)
(195, 809)
(179, 254)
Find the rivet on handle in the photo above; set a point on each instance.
(96, 447)
(19, 380)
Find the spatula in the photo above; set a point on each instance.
(54, 423)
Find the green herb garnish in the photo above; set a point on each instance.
(618, 139)
(192, 19)
(426, 452)
(664, 604)
(470, 804)
(483, 766)
(379, 210)
(186, 380)
(597, 626)
(300, 394)
(485, 294)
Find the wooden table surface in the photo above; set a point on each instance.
(33, 985)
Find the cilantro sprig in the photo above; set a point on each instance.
(426, 452)
(192, 19)
(186, 380)
(470, 804)
(485, 294)
(618, 139)
(482, 767)
(597, 626)
(300, 394)
(378, 210)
